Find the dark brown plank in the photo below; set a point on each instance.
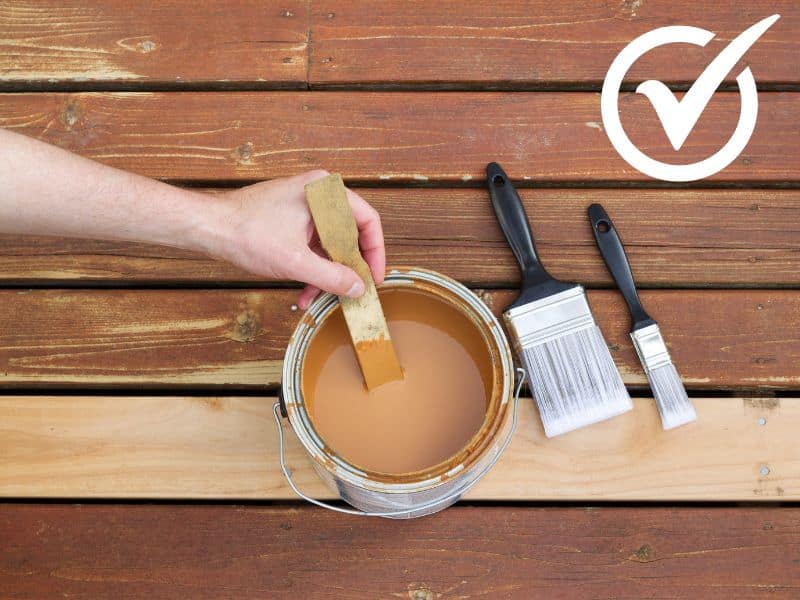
(161, 338)
(153, 44)
(396, 137)
(534, 43)
(224, 551)
(681, 238)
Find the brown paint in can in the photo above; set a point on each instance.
(409, 425)
(418, 455)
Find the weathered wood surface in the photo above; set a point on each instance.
(397, 137)
(215, 447)
(742, 448)
(198, 338)
(534, 43)
(110, 551)
(681, 238)
(49, 43)
(395, 43)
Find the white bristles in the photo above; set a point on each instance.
(673, 404)
(570, 370)
(575, 381)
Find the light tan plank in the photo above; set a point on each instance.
(183, 447)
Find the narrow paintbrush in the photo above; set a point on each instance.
(673, 404)
(569, 366)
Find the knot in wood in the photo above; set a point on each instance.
(246, 327)
(645, 554)
(243, 153)
(70, 114)
(146, 46)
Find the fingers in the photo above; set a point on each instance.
(307, 296)
(326, 275)
(370, 235)
(310, 291)
(312, 175)
(368, 221)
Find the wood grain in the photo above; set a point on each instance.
(395, 137)
(680, 238)
(338, 233)
(101, 551)
(51, 44)
(535, 43)
(395, 43)
(199, 338)
(227, 448)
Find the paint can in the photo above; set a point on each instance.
(404, 495)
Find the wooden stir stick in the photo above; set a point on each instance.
(338, 233)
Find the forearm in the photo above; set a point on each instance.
(48, 191)
(265, 228)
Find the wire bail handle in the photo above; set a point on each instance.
(287, 473)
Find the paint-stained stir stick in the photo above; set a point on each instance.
(333, 217)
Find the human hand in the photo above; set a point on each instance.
(267, 229)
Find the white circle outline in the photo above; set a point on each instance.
(609, 108)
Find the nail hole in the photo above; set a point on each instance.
(603, 226)
(498, 181)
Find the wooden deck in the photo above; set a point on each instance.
(138, 457)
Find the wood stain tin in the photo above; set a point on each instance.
(427, 488)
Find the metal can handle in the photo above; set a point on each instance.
(396, 513)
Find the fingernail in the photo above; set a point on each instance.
(356, 290)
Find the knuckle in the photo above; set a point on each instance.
(339, 278)
(315, 174)
(375, 214)
(291, 263)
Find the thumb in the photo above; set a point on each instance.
(331, 276)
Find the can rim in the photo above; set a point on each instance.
(315, 446)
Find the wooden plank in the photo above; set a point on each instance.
(213, 447)
(534, 43)
(397, 137)
(172, 338)
(473, 552)
(680, 238)
(50, 44)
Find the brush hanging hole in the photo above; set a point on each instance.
(603, 226)
(498, 181)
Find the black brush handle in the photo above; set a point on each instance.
(617, 262)
(536, 281)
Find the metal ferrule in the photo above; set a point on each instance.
(552, 317)
(650, 347)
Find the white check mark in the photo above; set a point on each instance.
(678, 117)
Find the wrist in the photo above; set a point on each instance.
(209, 223)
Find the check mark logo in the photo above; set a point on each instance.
(678, 117)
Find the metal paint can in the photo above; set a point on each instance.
(410, 495)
